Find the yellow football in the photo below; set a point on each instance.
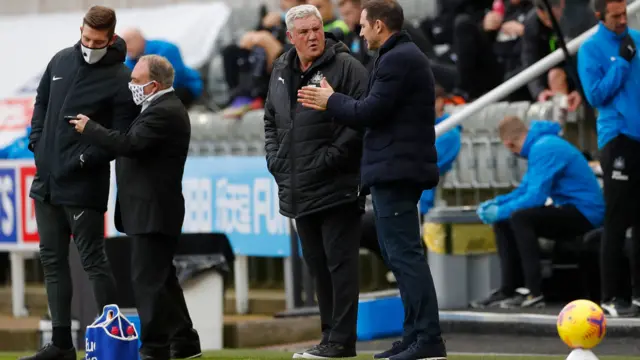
(582, 324)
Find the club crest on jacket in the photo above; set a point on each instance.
(316, 79)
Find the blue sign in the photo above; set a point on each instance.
(236, 196)
(8, 211)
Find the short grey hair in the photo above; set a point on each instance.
(301, 12)
(160, 69)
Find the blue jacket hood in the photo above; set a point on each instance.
(538, 129)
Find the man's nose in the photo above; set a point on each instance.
(313, 35)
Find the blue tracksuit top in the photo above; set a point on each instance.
(555, 169)
(447, 147)
(611, 84)
(185, 77)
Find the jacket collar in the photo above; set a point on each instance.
(604, 31)
(155, 96)
(396, 39)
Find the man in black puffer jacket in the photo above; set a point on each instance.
(316, 163)
(71, 185)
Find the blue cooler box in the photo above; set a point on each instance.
(132, 315)
(380, 317)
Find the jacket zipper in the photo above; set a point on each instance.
(73, 84)
(292, 157)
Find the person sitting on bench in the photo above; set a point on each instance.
(447, 145)
(557, 170)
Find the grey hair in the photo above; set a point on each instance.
(301, 12)
(160, 69)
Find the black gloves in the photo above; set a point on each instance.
(627, 48)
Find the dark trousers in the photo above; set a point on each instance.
(56, 224)
(185, 95)
(163, 312)
(478, 68)
(621, 175)
(245, 71)
(330, 242)
(4, 268)
(518, 247)
(398, 227)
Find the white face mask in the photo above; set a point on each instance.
(138, 92)
(92, 56)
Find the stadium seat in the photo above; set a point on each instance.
(504, 165)
(540, 111)
(518, 109)
(484, 162)
(494, 114)
(465, 165)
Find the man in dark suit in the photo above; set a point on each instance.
(399, 161)
(150, 205)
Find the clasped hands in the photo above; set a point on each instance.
(315, 97)
(488, 212)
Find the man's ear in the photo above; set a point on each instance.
(113, 39)
(290, 36)
(378, 26)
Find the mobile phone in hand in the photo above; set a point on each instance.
(70, 117)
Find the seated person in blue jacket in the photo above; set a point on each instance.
(447, 146)
(187, 82)
(556, 170)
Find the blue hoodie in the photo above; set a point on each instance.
(555, 169)
(611, 84)
(447, 147)
(185, 77)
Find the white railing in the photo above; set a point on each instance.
(524, 77)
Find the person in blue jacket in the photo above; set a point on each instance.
(609, 68)
(187, 84)
(447, 147)
(557, 170)
(18, 149)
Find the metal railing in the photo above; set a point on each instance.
(524, 77)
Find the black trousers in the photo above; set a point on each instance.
(621, 175)
(163, 312)
(185, 95)
(518, 247)
(478, 68)
(330, 247)
(398, 226)
(4, 268)
(56, 224)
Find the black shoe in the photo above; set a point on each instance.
(299, 355)
(329, 351)
(636, 302)
(619, 308)
(51, 352)
(423, 351)
(186, 347)
(523, 299)
(494, 299)
(396, 348)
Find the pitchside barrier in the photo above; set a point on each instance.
(232, 195)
